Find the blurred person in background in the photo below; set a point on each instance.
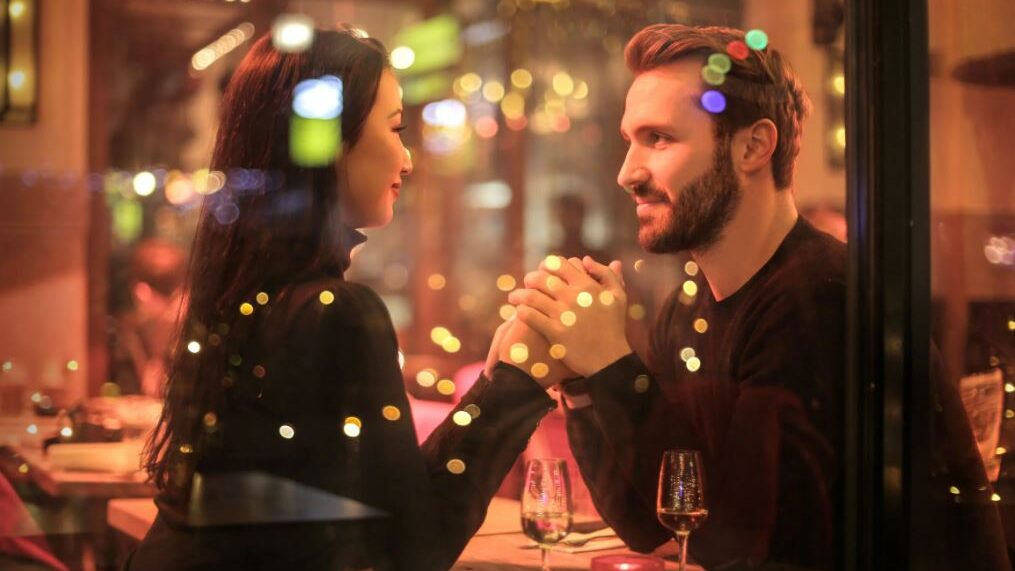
(142, 335)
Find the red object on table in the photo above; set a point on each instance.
(627, 562)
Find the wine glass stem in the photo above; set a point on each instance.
(682, 547)
(546, 558)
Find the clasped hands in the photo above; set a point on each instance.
(569, 321)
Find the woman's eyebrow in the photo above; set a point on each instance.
(395, 112)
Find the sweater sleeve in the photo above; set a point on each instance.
(436, 496)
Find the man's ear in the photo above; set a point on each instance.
(753, 146)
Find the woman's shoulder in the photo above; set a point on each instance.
(332, 301)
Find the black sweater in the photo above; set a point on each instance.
(320, 364)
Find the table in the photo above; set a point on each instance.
(81, 484)
(497, 546)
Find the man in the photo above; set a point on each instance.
(748, 370)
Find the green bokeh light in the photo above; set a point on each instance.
(756, 39)
(314, 142)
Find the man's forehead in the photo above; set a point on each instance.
(664, 93)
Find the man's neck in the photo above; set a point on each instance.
(761, 222)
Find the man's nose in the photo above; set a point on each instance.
(632, 172)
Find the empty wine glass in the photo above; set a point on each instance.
(681, 503)
(546, 503)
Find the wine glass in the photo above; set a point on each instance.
(546, 503)
(681, 504)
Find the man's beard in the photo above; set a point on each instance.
(703, 209)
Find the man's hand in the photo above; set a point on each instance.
(581, 314)
(530, 352)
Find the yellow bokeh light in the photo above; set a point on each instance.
(439, 334)
(606, 298)
(462, 418)
(186, 449)
(995, 497)
(446, 387)
(1009, 413)
(521, 78)
(261, 298)
(351, 430)
(436, 281)
(513, 105)
(584, 299)
(553, 283)
(507, 311)
(700, 325)
(506, 282)
(558, 351)
(639, 265)
(954, 490)
(1009, 388)
(840, 136)
(246, 308)
(1011, 325)
(686, 353)
(641, 384)
(456, 466)
(581, 90)
(839, 84)
(519, 353)
(563, 85)
(72, 365)
(691, 268)
(493, 91)
(144, 183)
(391, 413)
(636, 311)
(23, 468)
(568, 318)
(693, 364)
(286, 431)
(540, 370)
(16, 9)
(194, 347)
(210, 419)
(326, 297)
(1000, 450)
(552, 262)
(451, 345)
(690, 288)
(473, 410)
(426, 377)
(470, 82)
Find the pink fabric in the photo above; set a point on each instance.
(19, 535)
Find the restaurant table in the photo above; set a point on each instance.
(84, 493)
(497, 546)
(80, 483)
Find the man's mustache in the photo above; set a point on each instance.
(649, 191)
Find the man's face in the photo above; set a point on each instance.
(680, 177)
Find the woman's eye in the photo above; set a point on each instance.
(400, 128)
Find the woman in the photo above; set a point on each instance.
(282, 367)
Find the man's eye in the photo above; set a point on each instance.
(657, 137)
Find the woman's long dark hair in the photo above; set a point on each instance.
(269, 224)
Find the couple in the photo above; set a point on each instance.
(291, 355)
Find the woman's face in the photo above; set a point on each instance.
(374, 166)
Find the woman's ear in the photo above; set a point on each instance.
(753, 146)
